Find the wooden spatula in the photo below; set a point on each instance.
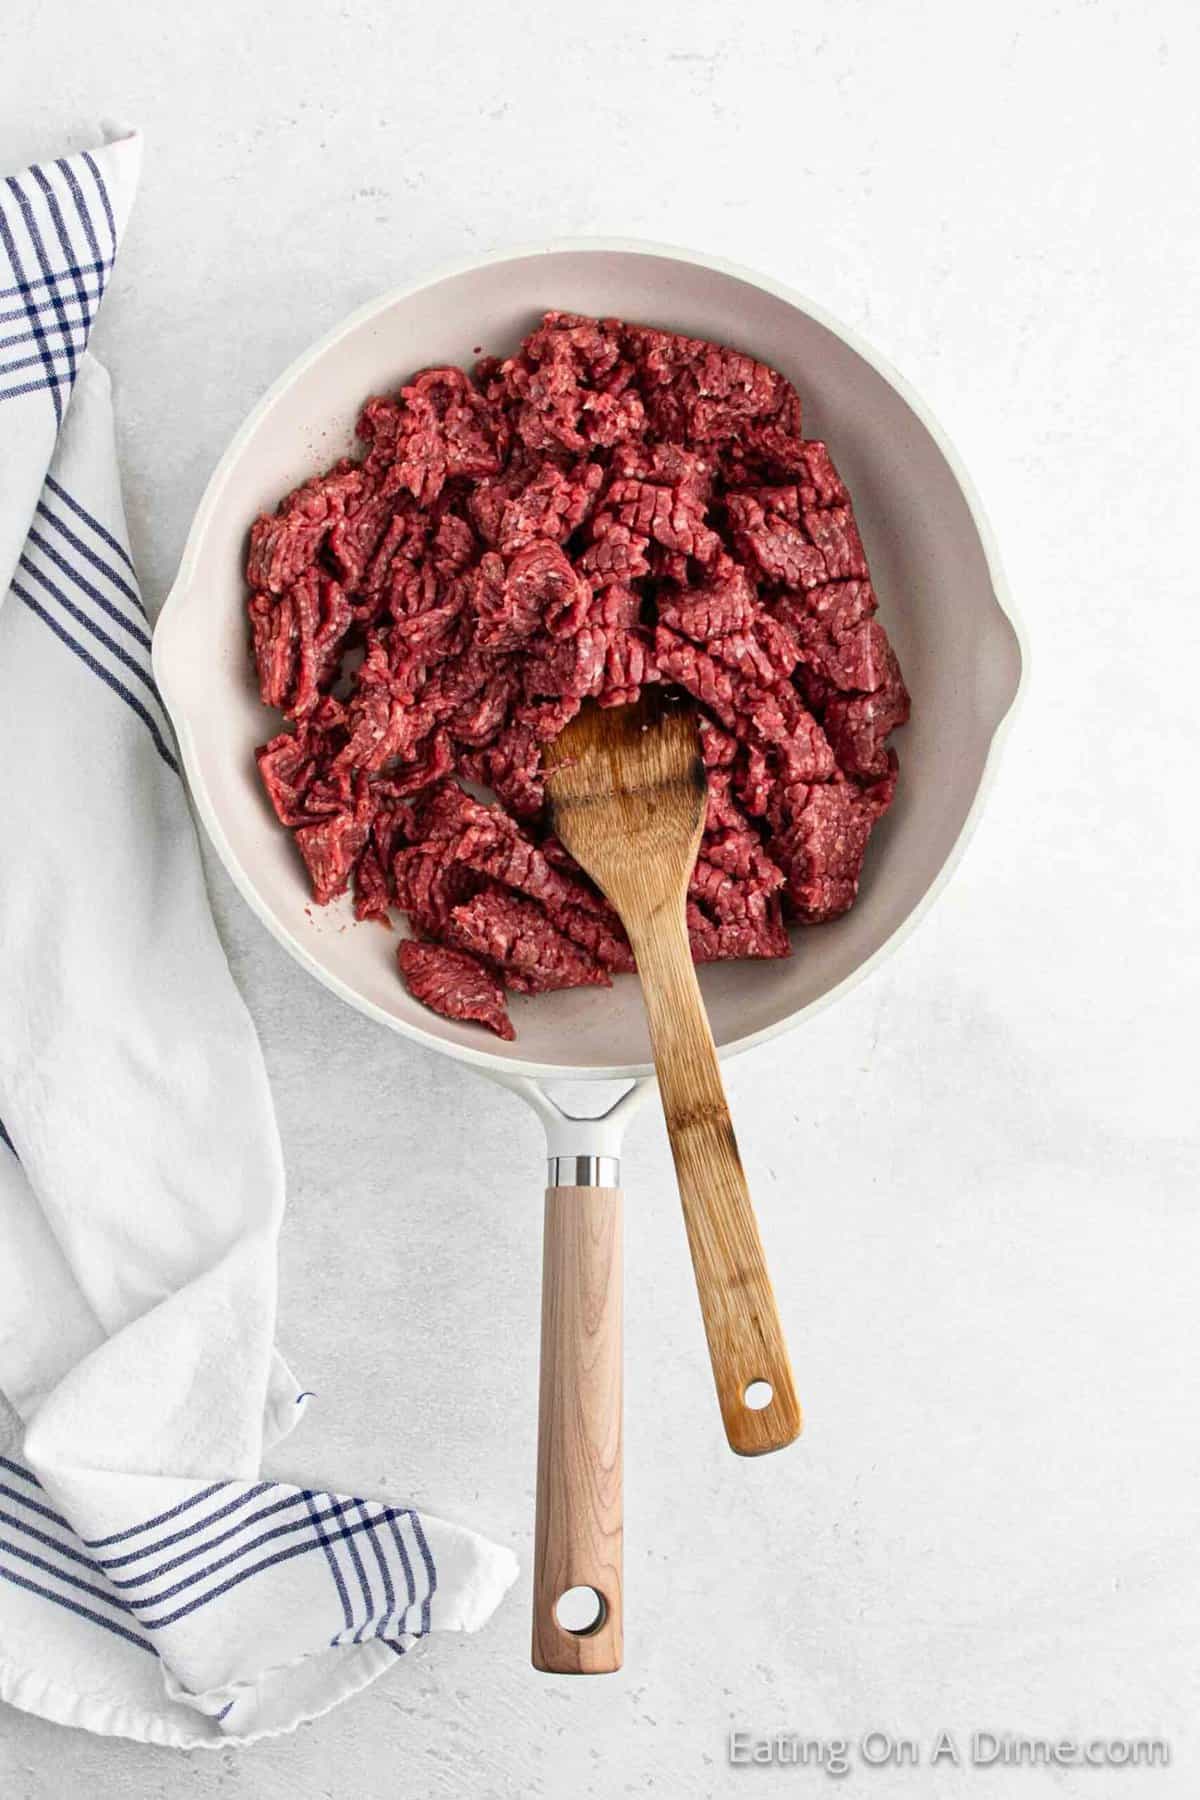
(628, 795)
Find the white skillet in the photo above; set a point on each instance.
(945, 606)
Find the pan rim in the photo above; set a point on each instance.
(489, 1062)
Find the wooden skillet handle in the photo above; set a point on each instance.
(578, 1535)
(741, 1319)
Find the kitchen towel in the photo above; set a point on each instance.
(152, 1583)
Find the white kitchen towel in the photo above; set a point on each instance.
(151, 1582)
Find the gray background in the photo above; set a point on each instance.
(976, 1176)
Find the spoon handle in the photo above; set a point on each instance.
(741, 1319)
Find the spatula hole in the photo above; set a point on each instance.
(581, 1610)
(758, 1395)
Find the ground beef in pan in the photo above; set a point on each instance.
(612, 506)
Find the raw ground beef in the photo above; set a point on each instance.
(611, 506)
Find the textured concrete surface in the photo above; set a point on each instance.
(977, 1176)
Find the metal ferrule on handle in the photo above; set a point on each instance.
(583, 1171)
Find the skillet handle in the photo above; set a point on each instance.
(578, 1535)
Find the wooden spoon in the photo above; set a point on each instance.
(628, 796)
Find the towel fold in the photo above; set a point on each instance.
(151, 1583)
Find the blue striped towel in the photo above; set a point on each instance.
(151, 1583)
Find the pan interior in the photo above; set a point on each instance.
(958, 650)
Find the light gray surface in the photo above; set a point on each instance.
(977, 1176)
